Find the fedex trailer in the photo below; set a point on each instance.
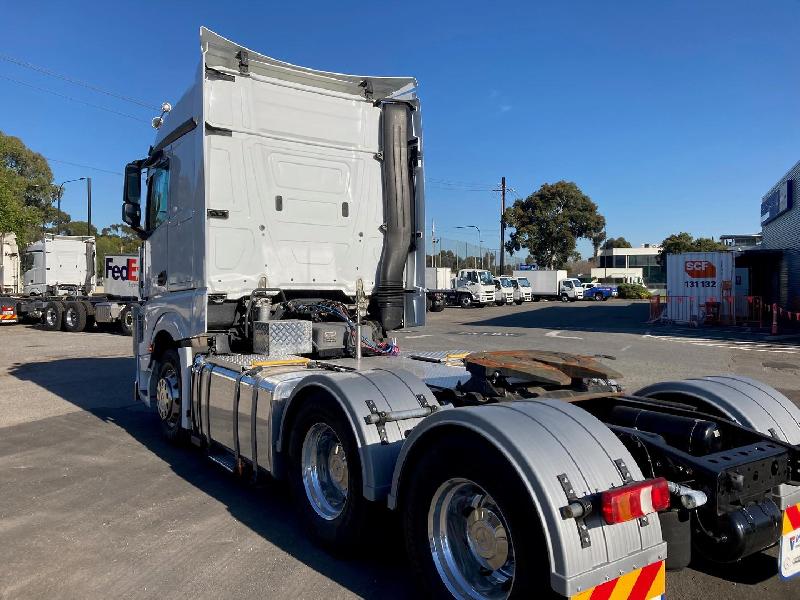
(72, 308)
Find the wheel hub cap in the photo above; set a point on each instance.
(325, 472)
(50, 315)
(471, 547)
(167, 397)
(487, 538)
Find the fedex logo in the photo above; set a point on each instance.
(700, 269)
(127, 272)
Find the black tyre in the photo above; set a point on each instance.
(465, 300)
(519, 302)
(470, 527)
(74, 319)
(126, 321)
(168, 394)
(325, 476)
(536, 299)
(564, 298)
(598, 297)
(52, 316)
(438, 307)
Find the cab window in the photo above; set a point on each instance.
(157, 195)
(568, 285)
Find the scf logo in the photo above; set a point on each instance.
(127, 272)
(698, 269)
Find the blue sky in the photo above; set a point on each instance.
(671, 116)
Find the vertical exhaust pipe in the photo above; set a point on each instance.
(397, 210)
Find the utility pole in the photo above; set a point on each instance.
(502, 224)
(89, 205)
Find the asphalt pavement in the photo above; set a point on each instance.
(93, 504)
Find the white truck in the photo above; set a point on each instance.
(524, 284)
(283, 226)
(503, 291)
(517, 293)
(60, 282)
(554, 284)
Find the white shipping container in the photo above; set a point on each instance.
(121, 276)
(695, 279)
(438, 278)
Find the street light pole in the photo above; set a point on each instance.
(61, 193)
(89, 206)
(479, 241)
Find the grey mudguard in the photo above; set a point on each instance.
(747, 402)
(543, 439)
(394, 390)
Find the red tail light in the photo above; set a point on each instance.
(8, 310)
(635, 500)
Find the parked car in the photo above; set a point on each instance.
(598, 291)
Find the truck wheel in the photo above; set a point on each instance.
(168, 394)
(74, 319)
(465, 301)
(52, 316)
(564, 298)
(126, 321)
(536, 299)
(437, 307)
(519, 302)
(470, 526)
(325, 475)
(598, 297)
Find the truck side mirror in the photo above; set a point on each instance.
(132, 197)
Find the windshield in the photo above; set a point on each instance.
(486, 278)
(31, 259)
(506, 283)
(523, 281)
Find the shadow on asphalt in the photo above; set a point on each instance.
(266, 508)
(752, 570)
(614, 316)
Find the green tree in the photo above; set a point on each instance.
(78, 228)
(26, 190)
(619, 242)
(550, 221)
(678, 243)
(597, 240)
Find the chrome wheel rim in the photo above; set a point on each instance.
(129, 319)
(470, 542)
(325, 471)
(70, 317)
(168, 397)
(50, 316)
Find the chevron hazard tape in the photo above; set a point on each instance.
(647, 583)
(789, 555)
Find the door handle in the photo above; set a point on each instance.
(162, 278)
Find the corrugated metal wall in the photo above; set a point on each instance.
(784, 234)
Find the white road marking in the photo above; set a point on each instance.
(416, 337)
(556, 334)
(625, 348)
(743, 346)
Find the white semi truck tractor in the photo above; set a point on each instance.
(283, 223)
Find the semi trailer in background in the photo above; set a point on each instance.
(294, 246)
(59, 287)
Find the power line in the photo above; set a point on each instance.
(97, 106)
(75, 81)
(74, 164)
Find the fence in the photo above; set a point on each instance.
(460, 254)
(728, 310)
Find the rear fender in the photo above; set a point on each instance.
(543, 440)
(394, 390)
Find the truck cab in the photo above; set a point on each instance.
(478, 283)
(570, 290)
(525, 288)
(59, 265)
(516, 293)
